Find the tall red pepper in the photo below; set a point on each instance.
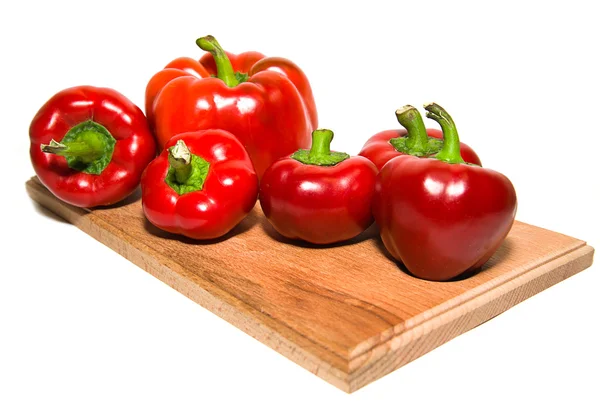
(89, 146)
(440, 216)
(266, 102)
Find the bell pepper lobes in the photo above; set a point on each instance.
(205, 67)
(89, 145)
(413, 140)
(440, 216)
(180, 67)
(317, 195)
(269, 107)
(201, 185)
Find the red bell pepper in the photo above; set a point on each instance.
(201, 185)
(414, 140)
(206, 67)
(317, 195)
(270, 108)
(440, 216)
(89, 146)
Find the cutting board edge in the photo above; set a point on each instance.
(367, 345)
(430, 334)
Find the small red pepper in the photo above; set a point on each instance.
(266, 102)
(201, 185)
(440, 216)
(317, 195)
(414, 140)
(89, 146)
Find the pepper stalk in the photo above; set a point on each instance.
(416, 142)
(225, 70)
(320, 153)
(88, 147)
(187, 171)
(450, 152)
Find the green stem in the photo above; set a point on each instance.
(180, 160)
(88, 147)
(416, 139)
(87, 152)
(321, 143)
(320, 153)
(416, 142)
(450, 152)
(187, 171)
(225, 70)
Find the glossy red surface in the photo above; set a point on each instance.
(298, 78)
(319, 204)
(442, 219)
(228, 195)
(273, 113)
(180, 67)
(134, 148)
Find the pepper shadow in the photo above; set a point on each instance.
(134, 197)
(131, 198)
(246, 224)
(43, 211)
(499, 256)
(381, 247)
(268, 229)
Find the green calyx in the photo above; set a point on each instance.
(187, 172)
(320, 153)
(88, 147)
(415, 142)
(450, 152)
(225, 70)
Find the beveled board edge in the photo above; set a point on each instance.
(365, 368)
(430, 334)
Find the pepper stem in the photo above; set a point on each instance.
(87, 147)
(187, 171)
(224, 68)
(320, 153)
(86, 152)
(450, 152)
(180, 160)
(416, 142)
(416, 139)
(321, 142)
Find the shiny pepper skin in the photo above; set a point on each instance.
(320, 204)
(266, 102)
(226, 191)
(84, 113)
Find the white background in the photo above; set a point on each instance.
(79, 322)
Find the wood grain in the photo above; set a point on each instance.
(348, 313)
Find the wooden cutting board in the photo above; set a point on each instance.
(347, 313)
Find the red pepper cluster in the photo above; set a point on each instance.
(232, 129)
